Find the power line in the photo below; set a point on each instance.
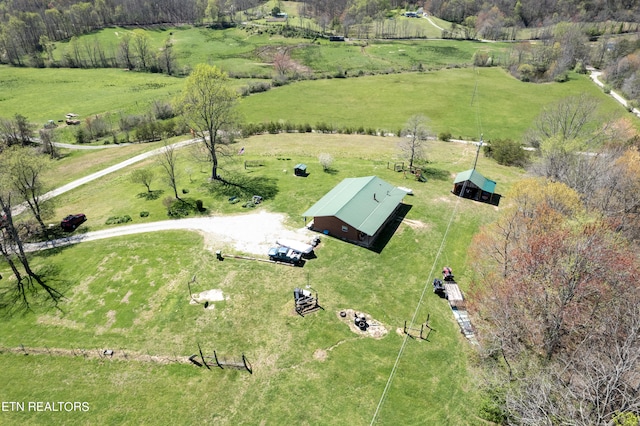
(415, 314)
(387, 386)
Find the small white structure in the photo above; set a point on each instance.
(298, 246)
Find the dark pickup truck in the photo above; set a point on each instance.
(285, 254)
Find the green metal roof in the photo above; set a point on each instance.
(364, 203)
(477, 179)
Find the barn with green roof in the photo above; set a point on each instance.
(356, 210)
(471, 184)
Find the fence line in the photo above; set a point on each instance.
(98, 353)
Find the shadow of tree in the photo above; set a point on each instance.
(151, 195)
(437, 174)
(35, 299)
(330, 171)
(243, 186)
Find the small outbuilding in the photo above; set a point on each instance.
(472, 185)
(300, 169)
(356, 210)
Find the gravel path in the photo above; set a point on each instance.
(76, 183)
(252, 233)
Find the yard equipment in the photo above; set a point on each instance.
(305, 301)
(438, 287)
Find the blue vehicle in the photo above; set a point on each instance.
(286, 255)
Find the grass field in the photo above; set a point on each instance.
(463, 101)
(130, 293)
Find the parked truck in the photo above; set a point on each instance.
(286, 255)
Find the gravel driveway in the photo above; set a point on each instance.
(251, 233)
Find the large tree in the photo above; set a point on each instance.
(18, 294)
(24, 169)
(208, 107)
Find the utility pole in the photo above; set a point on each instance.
(478, 152)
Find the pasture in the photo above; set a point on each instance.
(463, 101)
(386, 82)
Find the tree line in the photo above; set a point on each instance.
(29, 30)
(554, 293)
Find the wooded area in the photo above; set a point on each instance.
(555, 295)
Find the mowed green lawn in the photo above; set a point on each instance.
(131, 294)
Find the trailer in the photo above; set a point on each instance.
(298, 246)
(453, 294)
(448, 288)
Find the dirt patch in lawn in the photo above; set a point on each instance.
(414, 224)
(373, 327)
(207, 298)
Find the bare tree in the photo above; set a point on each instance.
(125, 51)
(168, 160)
(9, 134)
(48, 147)
(142, 47)
(11, 248)
(167, 57)
(572, 118)
(16, 131)
(414, 135)
(282, 62)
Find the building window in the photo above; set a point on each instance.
(345, 228)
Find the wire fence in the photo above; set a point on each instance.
(123, 354)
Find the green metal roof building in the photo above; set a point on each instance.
(357, 209)
(471, 184)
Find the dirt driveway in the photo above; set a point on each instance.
(251, 233)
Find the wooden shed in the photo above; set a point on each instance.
(300, 169)
(472, 185)
(356, 210)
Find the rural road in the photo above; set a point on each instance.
(76, 183)
(595, 76)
